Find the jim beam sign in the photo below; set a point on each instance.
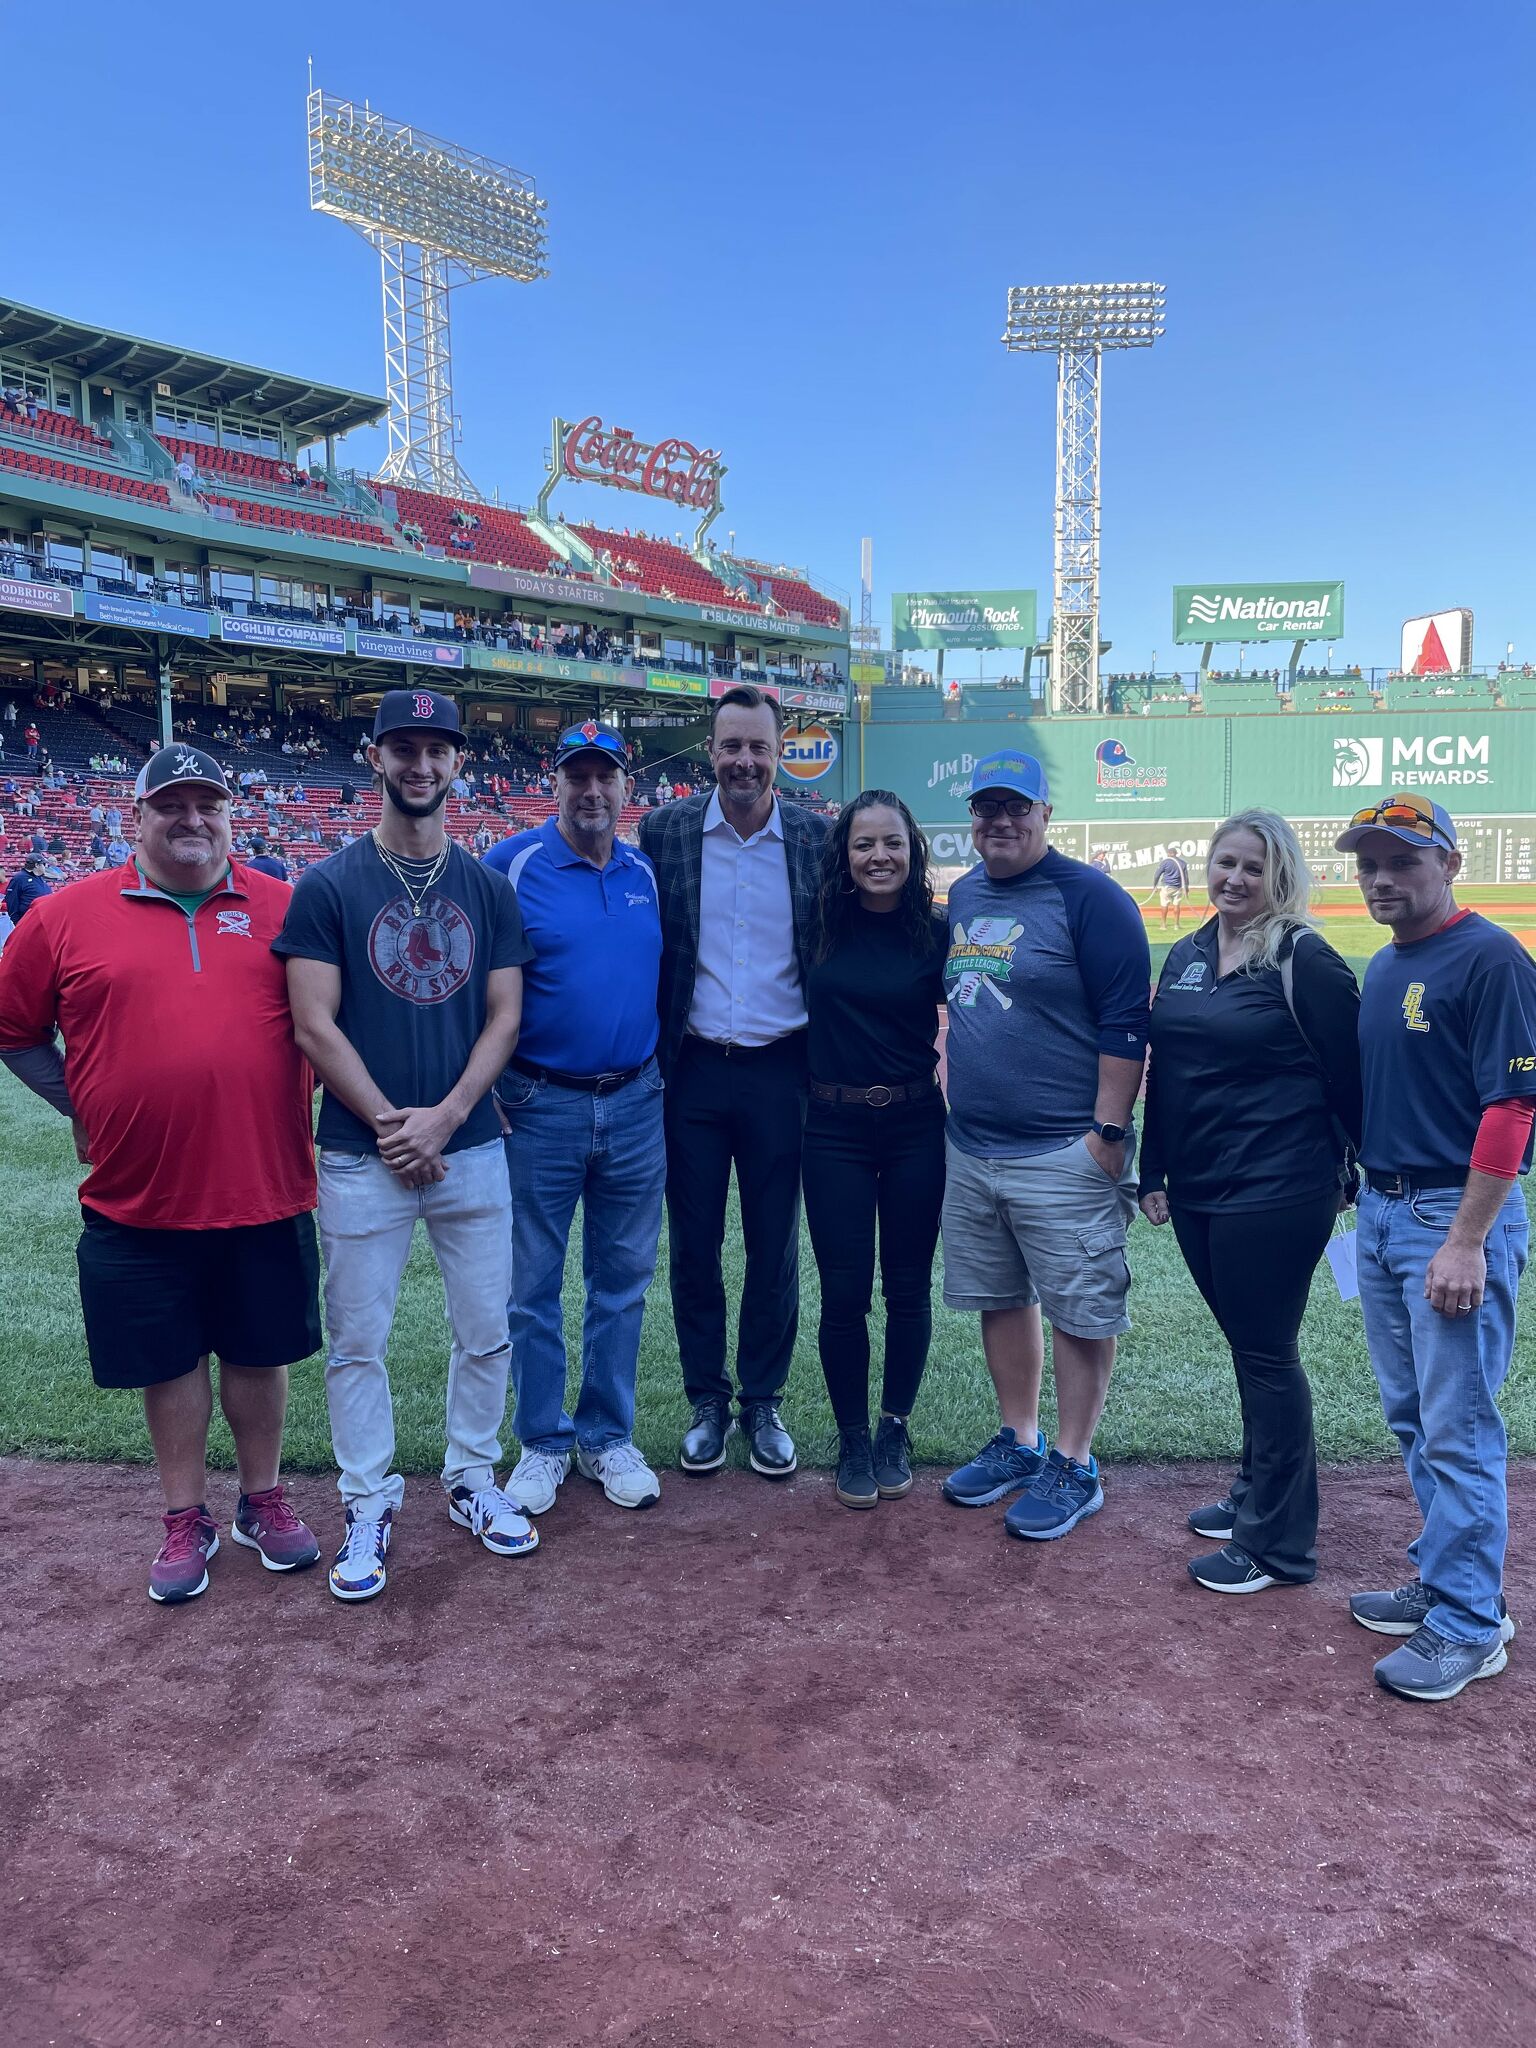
(672, 470)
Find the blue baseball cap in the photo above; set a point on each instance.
(416, 711)
(1409, 817)
(1021, 773)
(591, 738)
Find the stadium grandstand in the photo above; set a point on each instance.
(183, 548)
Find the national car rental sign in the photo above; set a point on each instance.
(1258, 611)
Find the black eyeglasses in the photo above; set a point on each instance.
(988, 807)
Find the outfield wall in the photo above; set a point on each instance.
(1136, 786)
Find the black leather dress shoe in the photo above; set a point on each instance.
(704, 1445)
(770, 1447)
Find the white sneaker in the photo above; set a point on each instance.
(622, 1474)
(494, 1519)
(536, 1478)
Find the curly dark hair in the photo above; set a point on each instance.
(838, 893)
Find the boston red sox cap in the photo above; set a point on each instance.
(591, 738)
(416, 711)
(176, 764)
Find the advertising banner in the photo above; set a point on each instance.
(833, 701)
(754, 623)
(675, 686)
(401, 647)
(600, 597)
(18, 595)
(1257, 611)
(809, 754)
(557, 668)
(963, 618)
(718, 685)
(282, 633)
(672, 469)
(1438, 644)
(146, 614)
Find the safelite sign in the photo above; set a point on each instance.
(809, 753)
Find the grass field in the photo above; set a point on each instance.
(1172, 1396)
(1349, 928)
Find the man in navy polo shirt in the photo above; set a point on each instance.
(581, 1103)
(1448, 1059)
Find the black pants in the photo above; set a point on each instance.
(745, 1110)
(1254, 1267)
(860, 1165)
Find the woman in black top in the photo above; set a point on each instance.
(1252, 1098)
(874, 1134)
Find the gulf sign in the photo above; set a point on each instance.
(809, 753)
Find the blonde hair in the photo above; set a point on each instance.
(1287, 885)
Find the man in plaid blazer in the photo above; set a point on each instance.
(738, 874)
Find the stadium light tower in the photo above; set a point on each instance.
(1076, 323)
(439, 216)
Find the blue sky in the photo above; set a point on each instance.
(788, 230)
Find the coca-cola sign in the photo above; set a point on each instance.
(673, 470)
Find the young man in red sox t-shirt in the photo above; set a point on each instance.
(191, 1106)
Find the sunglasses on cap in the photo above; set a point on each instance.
(1405, 813)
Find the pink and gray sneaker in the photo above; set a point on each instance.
(264, 1522)
(180, 1572)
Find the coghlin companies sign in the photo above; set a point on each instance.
(1258, 611)
(963, 618)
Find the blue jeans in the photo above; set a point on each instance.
(1439, 1376)
(608, 1152)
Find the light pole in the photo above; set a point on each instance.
(1076, 323)
(439, 216)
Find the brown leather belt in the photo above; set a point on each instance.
(877, 1097)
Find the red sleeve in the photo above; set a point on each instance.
(28, 991)
(1502, 1137)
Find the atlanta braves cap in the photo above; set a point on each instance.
(1021, 773)
(177, 764)
(591, 738)
(416, 711)
(1411, 818)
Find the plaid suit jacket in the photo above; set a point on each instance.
(672, 840)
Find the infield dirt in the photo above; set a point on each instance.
(749, 1768)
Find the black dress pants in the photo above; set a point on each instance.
(1254, 1268)
(746, 1109)
(862, 1165)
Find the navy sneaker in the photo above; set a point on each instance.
(1002, 1466)
(1063, 1494)
(1430, 1667)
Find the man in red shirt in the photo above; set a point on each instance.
(191, 1106)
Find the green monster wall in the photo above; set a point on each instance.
(1135, 786)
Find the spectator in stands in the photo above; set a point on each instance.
(31, 740)
(265, 862)
(56, 847)
(113, 821)
(186, 477)
(118, 851)
(25, 888)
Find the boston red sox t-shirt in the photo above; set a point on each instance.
(412, 987)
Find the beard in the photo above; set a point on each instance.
(408, 807)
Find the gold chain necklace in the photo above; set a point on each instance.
(416, 893)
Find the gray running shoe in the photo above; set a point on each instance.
(1428, 1667)
(1405, 1609)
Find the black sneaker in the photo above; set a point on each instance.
(1230, 1570)
(1216, 1522)
(704, 1445)
(893, 1454)
(770, 1447)
(1403, 1611)
(855, 1469)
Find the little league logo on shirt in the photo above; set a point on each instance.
(1413, 1007)
(981, 959)
(425, 959)
(1192, 977)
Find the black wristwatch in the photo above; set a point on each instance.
(1112, 1134)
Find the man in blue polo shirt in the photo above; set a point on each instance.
(581, 1104)
(1448, 1059)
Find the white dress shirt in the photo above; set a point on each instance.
(747, 989)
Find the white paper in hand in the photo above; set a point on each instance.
(1342, 1258)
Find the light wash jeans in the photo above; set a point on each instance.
(609, 1152)
(367, 1219)
(1439, 1376)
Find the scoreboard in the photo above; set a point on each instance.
(1493, 849)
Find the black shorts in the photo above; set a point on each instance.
(156, 1301)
